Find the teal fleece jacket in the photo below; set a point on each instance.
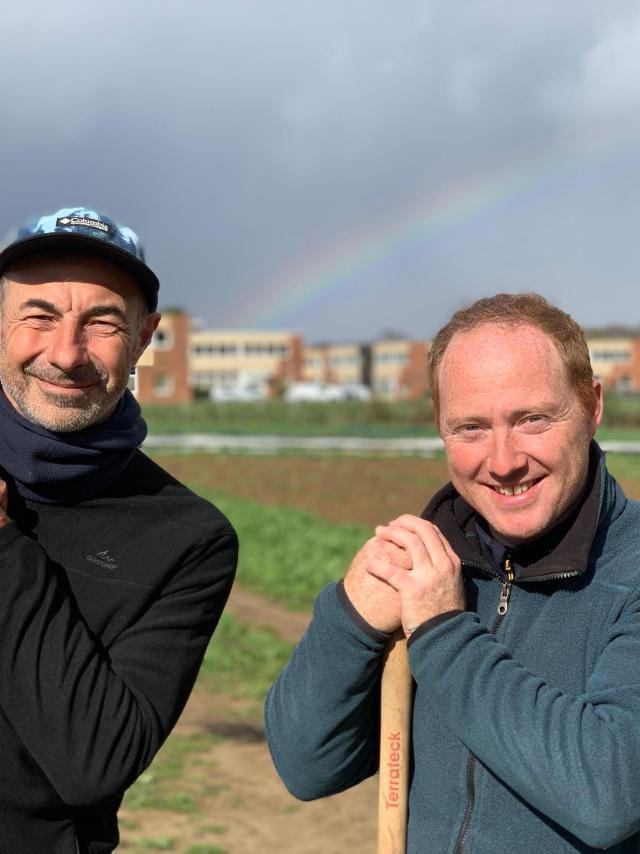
(526, 728)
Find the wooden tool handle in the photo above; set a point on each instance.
(395, 746)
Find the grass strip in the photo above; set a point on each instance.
(243, 660)
(156, 787)
(375, 419)
(288, 554)
(626, 467)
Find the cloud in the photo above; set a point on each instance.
(601, 90)
(247, 140)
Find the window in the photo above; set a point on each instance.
(265, 349)
(163, 385)
(391, 358)
(162, 339)
(214, 349)
(610, 355)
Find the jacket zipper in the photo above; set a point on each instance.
(505, 592)
(503, 607)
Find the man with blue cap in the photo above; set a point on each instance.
(114, 575)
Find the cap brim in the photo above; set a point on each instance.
(39, 243)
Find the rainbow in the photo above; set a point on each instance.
(338, 264)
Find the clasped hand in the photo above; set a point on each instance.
(404, 576)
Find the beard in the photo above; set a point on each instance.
(59, 412)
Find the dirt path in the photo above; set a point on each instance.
(251, 608)
(250, 812)
(243, 806)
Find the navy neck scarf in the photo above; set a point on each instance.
(64, 468)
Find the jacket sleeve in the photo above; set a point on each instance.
(322, 714)
(574, 758)
(93, 719)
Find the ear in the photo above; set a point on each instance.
(145, 334)
(598, 406)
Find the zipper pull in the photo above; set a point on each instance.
(505, 592)
(503, 604)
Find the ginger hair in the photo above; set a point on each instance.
(514, 310)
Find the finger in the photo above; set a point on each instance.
(393, 575)
(407, 520)
(407, 540)
(434, 541)
(392, 552)
(439, 549)
(447, 545)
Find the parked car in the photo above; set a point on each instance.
(241, 392)
(317, 392)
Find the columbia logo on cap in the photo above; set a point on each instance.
(88, 223)
(84, 230)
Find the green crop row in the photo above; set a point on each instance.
(288, 554)
(346, 418)
(625, 466)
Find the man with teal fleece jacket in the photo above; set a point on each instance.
(519, 590)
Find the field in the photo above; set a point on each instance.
(212, 789)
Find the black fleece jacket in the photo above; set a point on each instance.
(106, 609)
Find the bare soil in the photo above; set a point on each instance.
(342, 489)
(243, 806)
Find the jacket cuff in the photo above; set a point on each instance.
(424, 628)
(355, 616)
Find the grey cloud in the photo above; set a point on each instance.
(247, 141)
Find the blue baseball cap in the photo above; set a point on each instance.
(87, 231)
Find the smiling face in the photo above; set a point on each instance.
(71, 329)
(516, 437)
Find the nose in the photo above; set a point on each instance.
(506, 461)
(66, 346)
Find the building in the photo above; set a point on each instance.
(242, 364)
(251, 365)
(399, 369)
(342, 364)
(162, 374)
(616, 362)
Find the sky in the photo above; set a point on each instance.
(343, 169)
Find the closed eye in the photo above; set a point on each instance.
(39, 318)
(103, 327)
